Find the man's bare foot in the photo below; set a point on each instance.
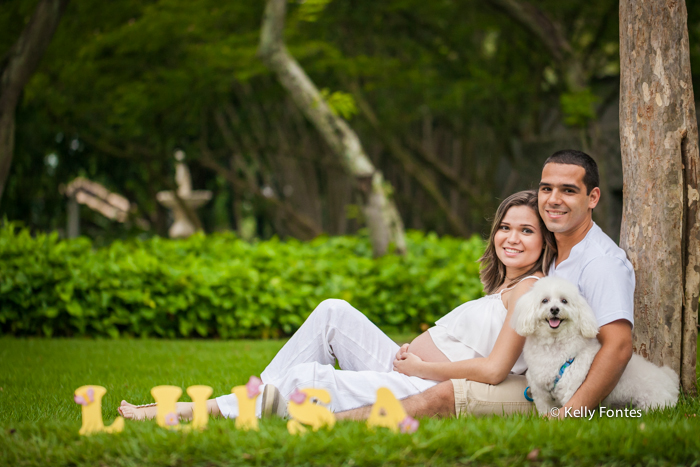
(131, 412)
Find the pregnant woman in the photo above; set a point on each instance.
(473, 341)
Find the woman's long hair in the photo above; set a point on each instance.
(493, 271)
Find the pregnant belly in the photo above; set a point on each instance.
(425, 348)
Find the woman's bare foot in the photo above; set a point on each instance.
(131, 412)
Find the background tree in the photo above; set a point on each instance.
(380, 212)
(16, 67)
(661, 222)
(578, 56)
(456, 104)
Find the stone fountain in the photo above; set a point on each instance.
(182, 227)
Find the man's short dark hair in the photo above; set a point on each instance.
(570, 156)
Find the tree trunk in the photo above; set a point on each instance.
(381, 215)
(15, 70)
(659, 141)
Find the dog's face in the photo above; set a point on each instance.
(554, 307)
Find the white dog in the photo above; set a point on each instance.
(561, 328)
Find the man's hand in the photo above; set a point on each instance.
(402, 351)
(409, 364)
(607, 367)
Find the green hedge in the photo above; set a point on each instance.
(221, 286)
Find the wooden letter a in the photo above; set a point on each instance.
(387, 411)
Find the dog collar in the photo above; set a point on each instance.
(563, 368)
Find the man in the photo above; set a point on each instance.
(568, 193)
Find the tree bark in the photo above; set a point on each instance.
(381, 215)
(17, 67)
(659, 142)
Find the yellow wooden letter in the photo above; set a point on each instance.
(295, 428)
(90, 398)
(387, 411)
(304, 411)
(246, 419)
(166, 397)
(200, 414)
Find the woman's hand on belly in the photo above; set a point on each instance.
(402, 351)
(410, 364)
(424, 347)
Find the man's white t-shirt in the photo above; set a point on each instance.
(603, 274)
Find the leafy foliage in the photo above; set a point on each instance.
(340, 103)
(126, 82)
(578, 107)
(220, 285)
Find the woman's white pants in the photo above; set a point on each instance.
(336, 331)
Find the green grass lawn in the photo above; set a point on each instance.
(39, 421)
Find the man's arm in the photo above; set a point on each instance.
(607, 367)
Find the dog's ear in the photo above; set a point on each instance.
(524, 317)
(587, 320)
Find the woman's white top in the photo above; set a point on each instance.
(471, 329)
